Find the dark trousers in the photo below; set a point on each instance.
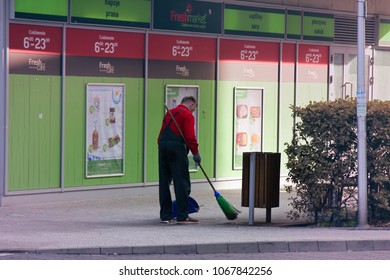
(173, 165)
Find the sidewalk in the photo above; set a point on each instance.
(126, 222)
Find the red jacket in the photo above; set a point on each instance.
(186, 122)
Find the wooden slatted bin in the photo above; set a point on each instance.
(266, 179)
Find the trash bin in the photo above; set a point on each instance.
(266, 180)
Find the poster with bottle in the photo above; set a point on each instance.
(173, 96)
(248, 122)
(104, 130)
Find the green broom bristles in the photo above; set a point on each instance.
(228, 209)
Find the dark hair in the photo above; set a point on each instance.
(188, 99)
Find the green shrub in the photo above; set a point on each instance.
(322, 162)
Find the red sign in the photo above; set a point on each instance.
(313, 64)
(237, 50)
(101, 43)
(313, 54)
(166, 47)
(35, 38)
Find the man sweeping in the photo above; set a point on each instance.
(173, 161)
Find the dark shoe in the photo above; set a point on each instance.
(166, 221)
(188, 221)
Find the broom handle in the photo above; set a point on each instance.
(185, 141)
(204, 173)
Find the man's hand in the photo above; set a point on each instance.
(197, 159)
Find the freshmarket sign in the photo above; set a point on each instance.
(135, 13)
(193, 16)
(319, 27)
(40, 9)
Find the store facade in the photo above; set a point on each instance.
(83, 84)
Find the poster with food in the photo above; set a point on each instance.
(248, 123)
(104, 130)
(173, 96)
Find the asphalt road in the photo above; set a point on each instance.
(343, 255)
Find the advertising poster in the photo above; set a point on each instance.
(105, 130)
(248, 123)
(173, 96)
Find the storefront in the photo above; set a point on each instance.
(85, 83)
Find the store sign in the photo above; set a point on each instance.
(182, 57)
(35, 38)
(313, 63)
(194, 16)
(243, 20)
(104, 53)
(294, 24)
(248, 60)
(184, 48)
(87, 42)
(318, 27)
(35, 49)
(384, 33)
(135, 13)
(41, 9)
(249, 51)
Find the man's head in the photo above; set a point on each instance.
(190, 102)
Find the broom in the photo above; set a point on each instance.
(228, 209)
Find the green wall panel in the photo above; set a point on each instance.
(206, 115)
(286, 122)
(225, 122)
(74, 142)
(311, 92)
(34, 132)
(306, 93)
(270, 122)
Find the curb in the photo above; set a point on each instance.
(224, 248)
